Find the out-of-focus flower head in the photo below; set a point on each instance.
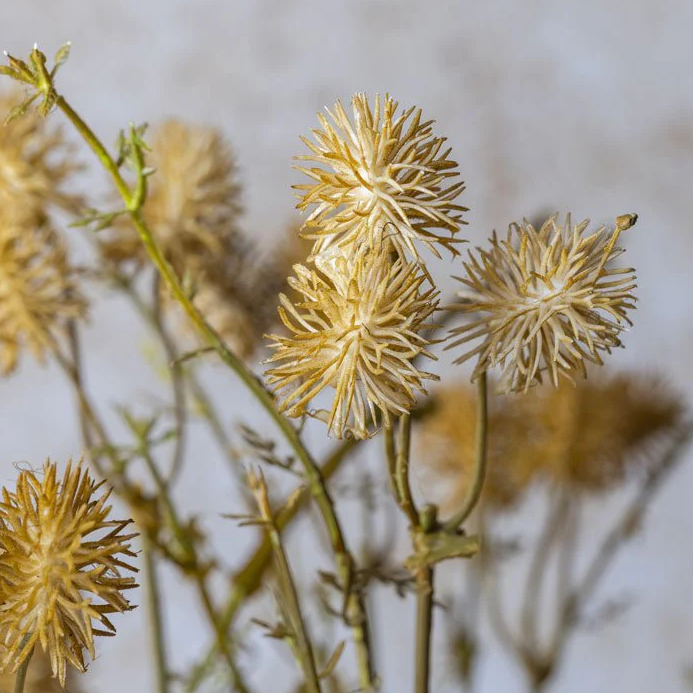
(591, 436)
(357, 330)
(61, 567)
(545, 301)
(385, 178)
(193, 202)
(38, 293)
(36, 165)
(604, 429)
(445, 441)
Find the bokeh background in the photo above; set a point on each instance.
(586, 107)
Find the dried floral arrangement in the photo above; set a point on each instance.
(348, 312)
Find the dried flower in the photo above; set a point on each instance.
(598, 432)
(384, 177)
(357, 330)
(58, 553)
(549, 300)
(35, 165)
(193, 203)
(590, 436)
(445, 441)
(39, 679)
(37, 290)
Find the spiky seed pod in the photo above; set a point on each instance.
(386, 176)
(35, 165)
(193, 203)
(546, 300)
(59, 553)
(39, 678)
(357, 330)
(38, 292)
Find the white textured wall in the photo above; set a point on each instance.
(583, 106)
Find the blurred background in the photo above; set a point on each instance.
(586, 107)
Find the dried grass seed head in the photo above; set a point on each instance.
(38, 291)
(62, 565)
(357, 329)
(545, 301)
(382, 178)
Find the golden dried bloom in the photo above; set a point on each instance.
(35, 165)
(193, 203)
(548, 300)
(59, 553)
(38, 293)
(39, 679)
(603, 429)
(445, 441)
(357, 330)
(386, 176)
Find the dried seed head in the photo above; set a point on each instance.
(38, 293)
(39, 678)
(35, 166)
(193, 203)
(603, 430)
(59, 553)
(383, 178)
(445, 441)
(357, 330)
(546, 300)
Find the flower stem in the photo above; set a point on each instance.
(133, 201)
(21, 673)
(480, 462)
(155, 615)
(424, 628)
(402, 470)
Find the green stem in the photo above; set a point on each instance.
(480, 459)
(155, 614)
(21, 673)
(402, 470)
(424, 628)
(344, 560)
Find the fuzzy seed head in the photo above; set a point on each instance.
(380, 178)
(61, 568)
(546, 301)
(357, 329)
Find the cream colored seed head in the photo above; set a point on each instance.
(59, 554)
(545, 301)
(357, 330)
(384, 176)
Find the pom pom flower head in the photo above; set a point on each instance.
(357, 330)
(547, 300)
(385, 176)
(58, 553)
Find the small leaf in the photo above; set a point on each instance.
(333, 661)
(61, 56)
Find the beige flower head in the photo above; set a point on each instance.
(35, 166)
(193, 203)
(546, 300)
(383, 177)
(357, 330)
(38, 293)
(61, 567)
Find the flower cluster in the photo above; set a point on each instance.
(547, 301)
(59, 553)
(360, 307)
